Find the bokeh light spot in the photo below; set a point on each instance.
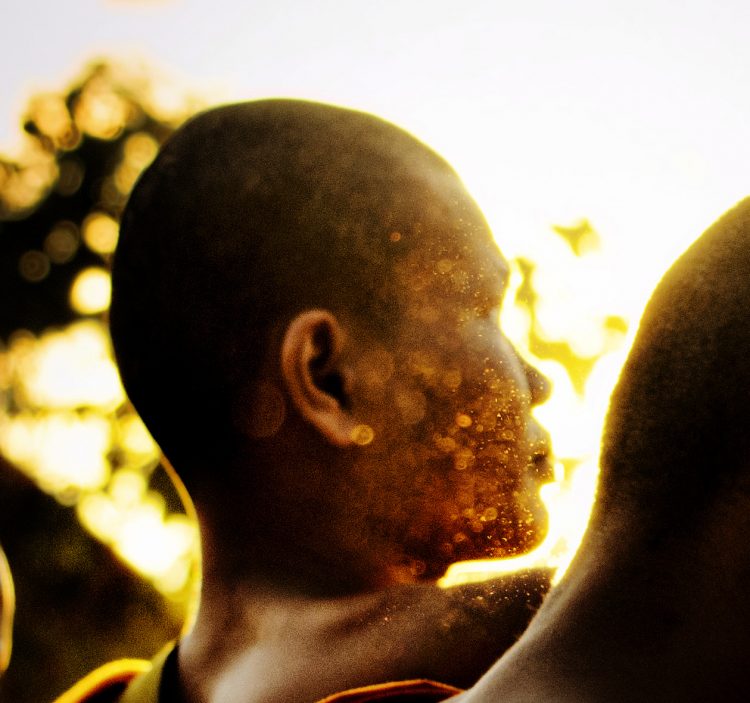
(34, 266)
(363, 435)
(134, 436)
(100, 232)
(62, 242)
(91, 291)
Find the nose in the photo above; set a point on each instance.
(540, 386)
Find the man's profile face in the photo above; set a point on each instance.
(461, 446)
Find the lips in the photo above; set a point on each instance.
(541, 468)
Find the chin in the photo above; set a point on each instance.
(533, 527)
(518, 531)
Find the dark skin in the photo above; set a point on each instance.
(418, 461)
(288, 648)
(654, 606)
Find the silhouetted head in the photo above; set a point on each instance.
(677, 441)
(304, 313)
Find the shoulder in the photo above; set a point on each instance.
(123, 681)
(107, 683)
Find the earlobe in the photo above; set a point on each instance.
(312, 370)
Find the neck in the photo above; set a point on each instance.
(253, 642)
(634, 622)
(252, 639)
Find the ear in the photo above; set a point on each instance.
(312, 370)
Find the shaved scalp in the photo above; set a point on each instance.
(679, 421)
(249, 214)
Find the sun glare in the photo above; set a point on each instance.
(66, 425)
(91, 291)
(564, 319)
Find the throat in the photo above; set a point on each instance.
(256, 646)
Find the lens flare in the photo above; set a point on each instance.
(91, 291)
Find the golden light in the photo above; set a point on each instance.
(135, 438)
(22, 188)
(50, 113)
(7, 610)
(560, 315)
(101, 112)
(65, 425)
(91, 291)
(68, 369)
(100, 233)
(132, 519)
(127, 488)
(63, 416)
(64, 452)
(140, 150)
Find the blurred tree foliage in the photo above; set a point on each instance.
(83, 151)
(77, 606)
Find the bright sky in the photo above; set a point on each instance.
(632, 113)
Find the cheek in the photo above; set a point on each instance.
(456, 395)
(488, 402)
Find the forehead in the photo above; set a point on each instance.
(451, 253)
(486, 272)
(465, 239)
(474, 266)
(453, 276)
(490, 265)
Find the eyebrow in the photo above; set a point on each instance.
(502, 269)
(494, 257)
(495, 282)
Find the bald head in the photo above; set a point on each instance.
(678, 430)
(251, 213)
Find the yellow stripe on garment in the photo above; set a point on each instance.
(7, 606)
(121, 671)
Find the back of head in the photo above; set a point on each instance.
(251, 213)
(678, 430)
